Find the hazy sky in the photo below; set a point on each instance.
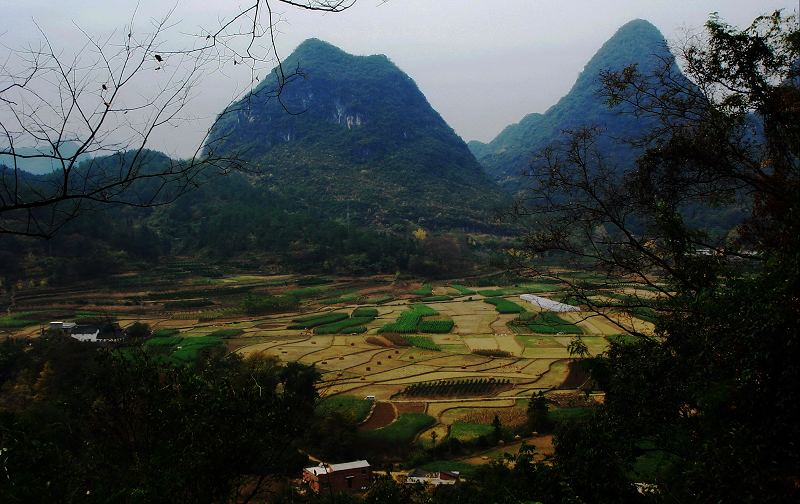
(482, 64)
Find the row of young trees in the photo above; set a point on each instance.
(474, 386)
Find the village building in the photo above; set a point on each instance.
(434, 478)
(335, 478)
(108, 332)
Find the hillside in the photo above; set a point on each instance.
(509, 154)
(359, 139)
(26, 159)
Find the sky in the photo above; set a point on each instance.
(482, 64)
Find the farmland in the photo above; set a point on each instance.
(438, 357)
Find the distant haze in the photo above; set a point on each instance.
(482, 64)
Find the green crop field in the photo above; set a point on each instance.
(437, 298)
(403, 429)
(467, 431)
(338, 326)
(423, 342)
(435, 326)
(365, 312)
(425, 290)
(317, 320)
(550, 323)
(408, 321)
(379, 299)
(16, 321)
(464, 291)
(504, 305)
(178, 350)
(351, 408)
(463, 468)
(227, 333)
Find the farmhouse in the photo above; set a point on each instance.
(347, 477)
(435, 478)
(91, 333)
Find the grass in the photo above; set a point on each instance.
(351, 408)
(464, 291)
(435, 326)
(504, 305)
(467, 431)
(317, 320)
(425, 290)
(423, 342)
(403, 429)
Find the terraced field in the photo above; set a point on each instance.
(456, 320)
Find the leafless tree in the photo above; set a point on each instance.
(86, 114)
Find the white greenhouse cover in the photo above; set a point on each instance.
(548, 304)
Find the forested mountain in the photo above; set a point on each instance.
(338, 171)
(355, 136)
(509, 154)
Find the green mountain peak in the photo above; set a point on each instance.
(638, 43)
(359, 137)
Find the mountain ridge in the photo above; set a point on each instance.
(637, 42)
